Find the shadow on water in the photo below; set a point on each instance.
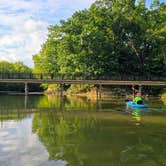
(81, 132)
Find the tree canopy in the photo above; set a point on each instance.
(110, 38)
(17, 67)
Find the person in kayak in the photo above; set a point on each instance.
(138, 99)
(135, 90)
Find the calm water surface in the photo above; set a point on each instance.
(50, 131)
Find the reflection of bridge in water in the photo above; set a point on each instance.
(25, 104)
(80, 79)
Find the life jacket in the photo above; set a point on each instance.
(138, 100)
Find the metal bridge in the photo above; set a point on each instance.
(62, 79)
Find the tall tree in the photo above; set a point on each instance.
(110, 38)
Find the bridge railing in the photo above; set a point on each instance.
(78, 76)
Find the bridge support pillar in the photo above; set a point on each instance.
(98, 91)
(140, 89)
(62, 89)
(26, 89)
(100, 86)
(25, 102)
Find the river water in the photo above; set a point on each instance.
(51, 131)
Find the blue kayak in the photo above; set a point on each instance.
(134, 105)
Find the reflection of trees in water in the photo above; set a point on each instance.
(15, 101)
(62, 134)
(150, 146)
(86, 139)
(11, 114)
(51, 101)
(163, 98)
(19, 101)
(145, 153)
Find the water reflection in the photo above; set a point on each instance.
(58, 103)
(62, 134)
(137, 116)
(19, 146)
(100, 139)
(48, 131)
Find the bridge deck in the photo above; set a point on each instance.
(99, 82)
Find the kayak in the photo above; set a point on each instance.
(134, 105)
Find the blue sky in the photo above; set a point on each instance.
(23, 25)
(148, 2)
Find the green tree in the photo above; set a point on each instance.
(14, 70)
(110, 38)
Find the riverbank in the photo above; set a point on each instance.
(92, 93)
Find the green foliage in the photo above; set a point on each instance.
(17, 67)
(7, 68)
(110, 38)
(21, 68)
(74, 88)
(53, 89)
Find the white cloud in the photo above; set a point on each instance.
(24, 23)
(23, 42)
